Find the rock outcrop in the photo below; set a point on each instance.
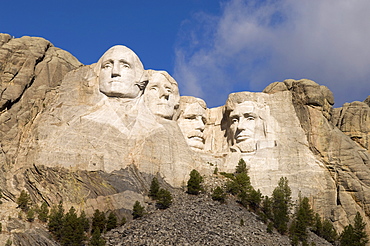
(94, 136)
(353, 119)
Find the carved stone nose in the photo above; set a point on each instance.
(116, 70)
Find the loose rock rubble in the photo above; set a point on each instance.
(198, 220)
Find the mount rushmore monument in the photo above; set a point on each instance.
(94, 135)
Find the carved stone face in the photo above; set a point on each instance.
(161, 96)
(119, 72)
(192, 123)
(243, 125)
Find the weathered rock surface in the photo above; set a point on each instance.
(343, 158)
(68, 134)
(353, 119)
(29, 68)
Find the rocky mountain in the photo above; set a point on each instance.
(95, 135)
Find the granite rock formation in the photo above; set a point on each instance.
(95, 135)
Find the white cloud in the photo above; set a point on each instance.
(254, 43)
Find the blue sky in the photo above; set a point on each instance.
(213, 48)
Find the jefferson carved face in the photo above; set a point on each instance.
(120, 72)
(192, 122)
(161, 96)
(243, 125)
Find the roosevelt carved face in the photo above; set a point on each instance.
(120, 72)
(243, 120)
(192, 123)
(161, 96)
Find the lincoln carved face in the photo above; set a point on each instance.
(120, 72)
(243, 120)
(192, 121)
(161, 94)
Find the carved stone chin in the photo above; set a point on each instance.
(247, 146)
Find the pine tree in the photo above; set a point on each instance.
(9, 242)
(328, 231)
(164, 199)
(356, 234)
(154, 188)
(317, 225)
(123, 221)
(72, 230)
(30, 215)
(98, 221)
(303, 218)
(347, 237)
(96, 239)
(241, 167)
(55, 224)
(239, 183)
(254, 199)
(359, 229)
(194, 182)
(138, 210)
(24, 201)
(281, 202)
(111, 221)
(84, 221)
(43, 212)
(219, 194)
(215, 172)
(267, 208)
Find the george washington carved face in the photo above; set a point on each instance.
(119, 73)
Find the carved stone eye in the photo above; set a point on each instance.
(125, 65)
(107, 65)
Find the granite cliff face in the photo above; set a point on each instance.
(95, 135)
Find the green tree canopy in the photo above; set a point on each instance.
(24, 201)
(154, 188)
(281, 202)
(98, 221)
(219, 194)
(194, 182)
(164, 199)
(111, 221)
(138, 210)
(72, 230)
(356, 234)
(96, 239)
(328, 231)
(241, 167)
(43, 212)
(303, 218)
(55, 224)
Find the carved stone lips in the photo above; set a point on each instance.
(241, 138)
(197, 138)
(115, 81)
